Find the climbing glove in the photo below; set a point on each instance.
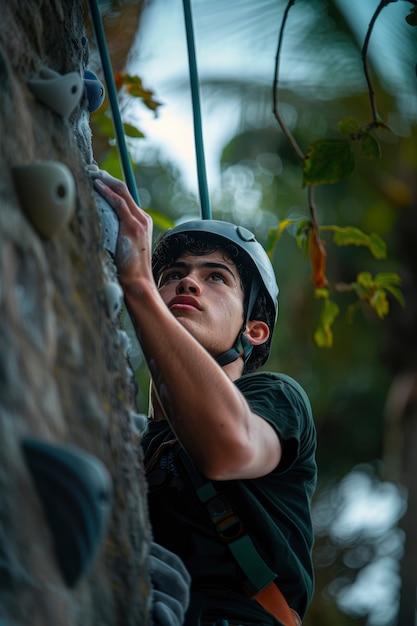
(171, 587)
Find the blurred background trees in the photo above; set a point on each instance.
(363, 389)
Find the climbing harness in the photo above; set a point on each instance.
(259, 583)
(259, 577)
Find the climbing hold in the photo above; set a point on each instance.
(94, 89)
(46, 190)
(92, 169)
(114, 298)
(109, 221)
(139, 421)
(75, 490)
(123, 341)
(60, 92)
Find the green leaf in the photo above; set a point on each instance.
(373, 290)
(389, 281)
(130, 79)
(377, 246)
(322, 292)
(387, 278)
(301, 235)
(328, 161)
(274, 234)
(380, 303)
(397, 293)
(349, 235)
(160, 220)
(323, 335)
(111, 163)
(348, 126)
(370, 148)
(132, 131)
(105, 124)
(134, 88)
(364, 279)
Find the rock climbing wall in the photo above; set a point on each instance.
(65, 381)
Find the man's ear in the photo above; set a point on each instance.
(257, 332)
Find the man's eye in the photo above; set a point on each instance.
(217, 277)
(174, 275)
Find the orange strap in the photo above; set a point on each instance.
(272, 600)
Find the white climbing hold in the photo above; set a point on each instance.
(139, 421)
(124, 341)
(114, 299)
(60, 92)
(46, 190)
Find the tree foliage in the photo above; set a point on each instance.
(329, 161)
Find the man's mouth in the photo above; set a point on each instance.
(184, 303)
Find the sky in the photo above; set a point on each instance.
(160, 57)
(166, 64)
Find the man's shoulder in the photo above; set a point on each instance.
(270, 379)
(275, 389)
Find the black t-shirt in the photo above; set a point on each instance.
(274, 508)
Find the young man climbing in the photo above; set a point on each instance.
(229, 453)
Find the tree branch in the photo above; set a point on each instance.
(286, 131)
(288, 134)
(365, 47)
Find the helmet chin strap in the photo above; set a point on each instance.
(242, 343)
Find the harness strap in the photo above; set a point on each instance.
(259, 583)
(242, 343)
(273, 601)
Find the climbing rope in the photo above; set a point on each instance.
(117, 120)
(195, 96)
(114, 103)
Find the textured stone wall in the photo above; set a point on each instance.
(64, 377)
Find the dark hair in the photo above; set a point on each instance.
(167, 251)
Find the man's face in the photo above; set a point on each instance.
(205, 294)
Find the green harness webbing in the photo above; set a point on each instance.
(230, 529)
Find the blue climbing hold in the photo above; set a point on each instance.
(75, 490)
(94, 89)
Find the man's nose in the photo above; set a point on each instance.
(188, 284)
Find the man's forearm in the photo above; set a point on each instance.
(207, 412)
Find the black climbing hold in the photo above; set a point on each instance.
(75, 491)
